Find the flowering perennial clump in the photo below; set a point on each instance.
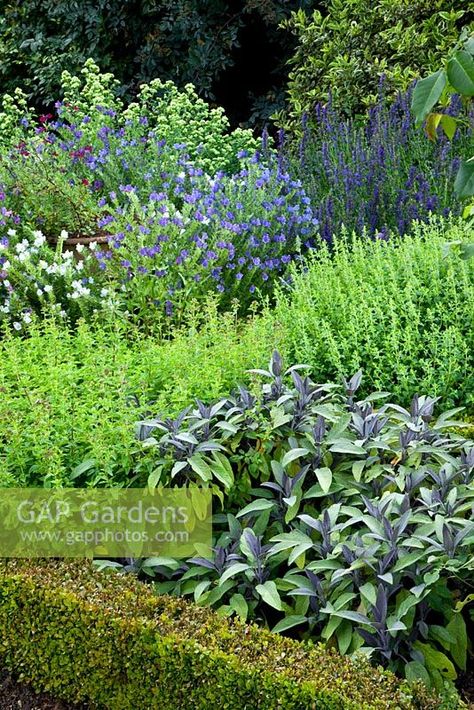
(229, 234)
(36, 280)
(379, 176)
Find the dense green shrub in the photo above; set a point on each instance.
(401, 310)
(71, 397)
(346, 51)
(357, 527)
(205, 43)
(110, 641)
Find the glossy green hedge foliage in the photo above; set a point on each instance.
(402, 310)
(107, 640)
(345, 51)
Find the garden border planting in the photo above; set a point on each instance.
(82, 635)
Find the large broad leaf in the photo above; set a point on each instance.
(464, 183)
(427, 93)
(269, 594)
(460, 72)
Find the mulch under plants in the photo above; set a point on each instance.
(19, 696)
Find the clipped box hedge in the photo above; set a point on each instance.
(106, 639)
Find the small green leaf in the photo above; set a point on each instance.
(324, 476)
(222, 469)
(288, 622)
(416, 671)
(369, 592)
(154, 478)
(232, 571)
(255, 507)
(449, 126)
(239, 604)
(292, 455)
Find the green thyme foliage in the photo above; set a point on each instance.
(163, 653)
(402, 310)
(344, 51)
(70, 399)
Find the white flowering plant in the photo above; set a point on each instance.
(36, 280)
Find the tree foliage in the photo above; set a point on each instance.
(345, 51)
(192, 41)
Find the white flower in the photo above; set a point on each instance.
(23, 256)
(27, 318)
(48, 288)
(43, 264)
(40, 239)
(64, 234)
(52, 269)
(62, 313)
(6, 283)
(68, 255)
(79, 266)
(21, 247)
(11, 232)
(79, 248)
(39, 292)
(6, 265)
(17, 325)
(93, 246)
(4, 309)
(104, 292)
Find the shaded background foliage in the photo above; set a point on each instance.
(344, 50)
(231, 50)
